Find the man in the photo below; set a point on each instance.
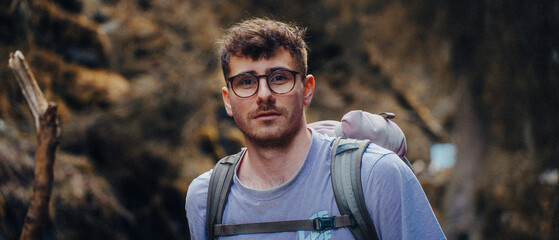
(284, 174)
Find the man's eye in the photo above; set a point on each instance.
(279, 79)
(246, 83)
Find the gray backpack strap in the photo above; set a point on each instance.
(346, 182)
(218, 189)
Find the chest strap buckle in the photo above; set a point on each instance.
(324, 223)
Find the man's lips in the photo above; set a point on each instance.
(267, 115)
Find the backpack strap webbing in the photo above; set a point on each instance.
(218, 189)
(346, 182)
(316, 224)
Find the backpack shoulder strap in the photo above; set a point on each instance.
(346, 182)
(218, 189)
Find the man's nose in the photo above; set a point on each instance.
(264, 93)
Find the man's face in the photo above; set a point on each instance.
(265, 118)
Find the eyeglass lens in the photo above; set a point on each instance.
(280, 81)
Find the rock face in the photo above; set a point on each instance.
(138, 88)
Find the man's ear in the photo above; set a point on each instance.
(226, 100)
(309, 89)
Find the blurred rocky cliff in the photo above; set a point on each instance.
(138, 88)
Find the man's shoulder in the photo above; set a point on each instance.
(378, 151)
(195, 205)
(198, 189)
(379, 159)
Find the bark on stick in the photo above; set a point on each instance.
(48, 136)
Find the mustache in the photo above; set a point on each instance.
(266, 108)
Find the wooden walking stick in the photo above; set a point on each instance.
(48, 136)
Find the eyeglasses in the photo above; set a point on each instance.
(280, 81)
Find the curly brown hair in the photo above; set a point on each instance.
(261, 39)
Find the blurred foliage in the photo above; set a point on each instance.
(138, 88)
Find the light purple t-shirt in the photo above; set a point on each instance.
(393, 196)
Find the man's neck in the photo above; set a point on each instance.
(265, 168)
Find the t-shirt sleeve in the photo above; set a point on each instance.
(395, 199)
(195, 206)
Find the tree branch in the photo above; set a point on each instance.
(48, 136)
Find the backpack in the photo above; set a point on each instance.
(346, 182)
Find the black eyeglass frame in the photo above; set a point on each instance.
(267, 76)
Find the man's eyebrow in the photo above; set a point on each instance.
(249, 72)
(268, 71)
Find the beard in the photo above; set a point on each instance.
(271, 134)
